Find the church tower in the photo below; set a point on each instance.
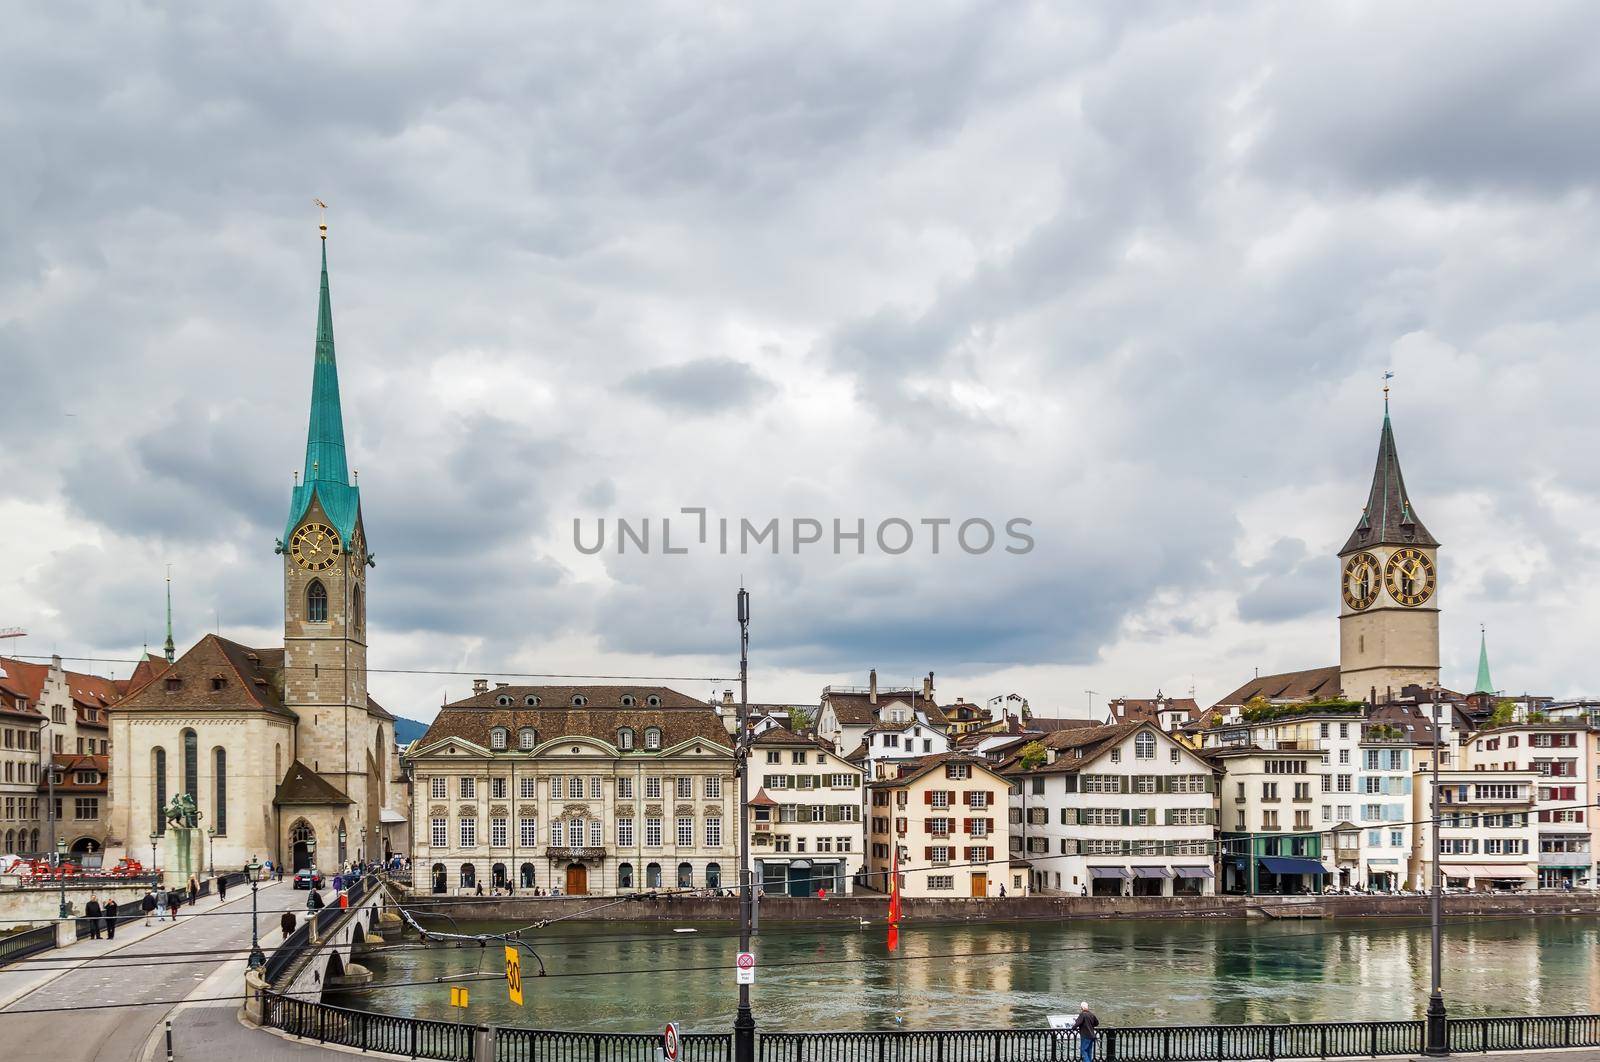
(1389, 615)
(325, 561)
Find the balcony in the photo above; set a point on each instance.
(575, 854)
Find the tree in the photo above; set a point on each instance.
(800, 719)
(1033, 755)
(1504, 713)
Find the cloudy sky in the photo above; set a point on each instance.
(1130, 272)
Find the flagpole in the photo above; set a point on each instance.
(744, 1024)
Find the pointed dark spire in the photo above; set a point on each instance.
(327, 476)
(171, 648)
(1389, 518)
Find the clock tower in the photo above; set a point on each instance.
(325, 565)
(1389, 606)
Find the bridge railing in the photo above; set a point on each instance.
(428, 1039)
(21, 944)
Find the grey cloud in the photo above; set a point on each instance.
(706, 386)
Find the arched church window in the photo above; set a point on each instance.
(158, 773)
(220, 783)
(357, 612)
(316, 602)
(191, 764)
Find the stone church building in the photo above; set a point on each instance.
(284, 751)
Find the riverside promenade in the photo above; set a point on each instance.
(107, 1000)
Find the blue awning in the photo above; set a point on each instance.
(1282, 865)
(1108, 872)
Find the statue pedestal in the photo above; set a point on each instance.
(181, 850)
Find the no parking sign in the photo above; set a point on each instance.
(671, 1045)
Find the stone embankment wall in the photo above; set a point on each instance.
(43, 904)
(1030, 908)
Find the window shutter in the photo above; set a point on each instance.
(1124, 817)
(1170, 816)
(927, 853)
(966, 825)
(927, 797)
(989, 825)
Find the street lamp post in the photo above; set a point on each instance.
(211, 832)
(256, 960)
(1438, 1041)
(744, 1024)
(61, 875)
(154, 837)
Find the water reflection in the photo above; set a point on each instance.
(638, 975)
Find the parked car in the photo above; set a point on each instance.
(308, 878)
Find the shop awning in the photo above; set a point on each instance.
(1285, 865)
(390, 817)
(1383, 862)
(1193, 872)
(1482, 871)
(1109, 872)
(1151, 872)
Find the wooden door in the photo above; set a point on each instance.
(577, 880)
(980, 884)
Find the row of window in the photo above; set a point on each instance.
(528, 876)
(191, 781)
(807, 813)
(576, 787)
(782, 842)
(578, 700)
(1493, 846)
(26, 740)
(573, 833)
(528, 738)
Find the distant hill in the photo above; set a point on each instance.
(408, 730)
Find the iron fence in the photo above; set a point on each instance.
(20, 945)
(444, 1041)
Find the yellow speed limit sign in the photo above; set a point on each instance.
(514, 975)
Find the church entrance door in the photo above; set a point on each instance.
(577, 880)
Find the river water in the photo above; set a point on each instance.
(621, 976)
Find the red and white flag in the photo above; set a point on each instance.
(894, 899)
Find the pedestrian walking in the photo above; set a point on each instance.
(194, 890)
(161, 904)
(286, 923)
(91, 914)
(148, 905)
(314, 901)
(1002, 890)
(338, 882)
(1087, 1025)
(174, 902)
(222, 887)
(111, 909)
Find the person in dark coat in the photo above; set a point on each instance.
(111, 909)
(1087, 1025)
(194, 891)
(148, 905)
(286, 923)
(222, 887)
(174, 901)
(91, 914)
(314, 901)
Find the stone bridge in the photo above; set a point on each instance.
(325, 952)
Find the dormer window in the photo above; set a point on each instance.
(627, 700)
(497, 739)
(503, 701)
(531, 701)
(217, 683)
(625, 739)
(652, 737)
(653, 701)
(579, 700)
(527, 737)
(174, 685)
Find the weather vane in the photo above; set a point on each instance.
(1387, 376)
(322, 216)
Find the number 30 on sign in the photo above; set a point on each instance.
(514, 975)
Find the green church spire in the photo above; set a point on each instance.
(171, 648)
(327, 475)
(1485, 683)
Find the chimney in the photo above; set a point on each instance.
(872, 686)
(927, 687)
(480, 685)
(727, 696)
(501, 685)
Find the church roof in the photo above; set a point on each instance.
(1389, 518)
(1288, 686)
(303, 786)
(327, 474)
(216, 674)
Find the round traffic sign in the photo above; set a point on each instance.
(669, 1042)
(747, 960)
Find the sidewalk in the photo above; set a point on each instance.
(104, 1001)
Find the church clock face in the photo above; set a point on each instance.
(1410, 576)
(315, 547)
(1361, 580)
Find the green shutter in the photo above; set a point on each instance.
(1123, 783)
